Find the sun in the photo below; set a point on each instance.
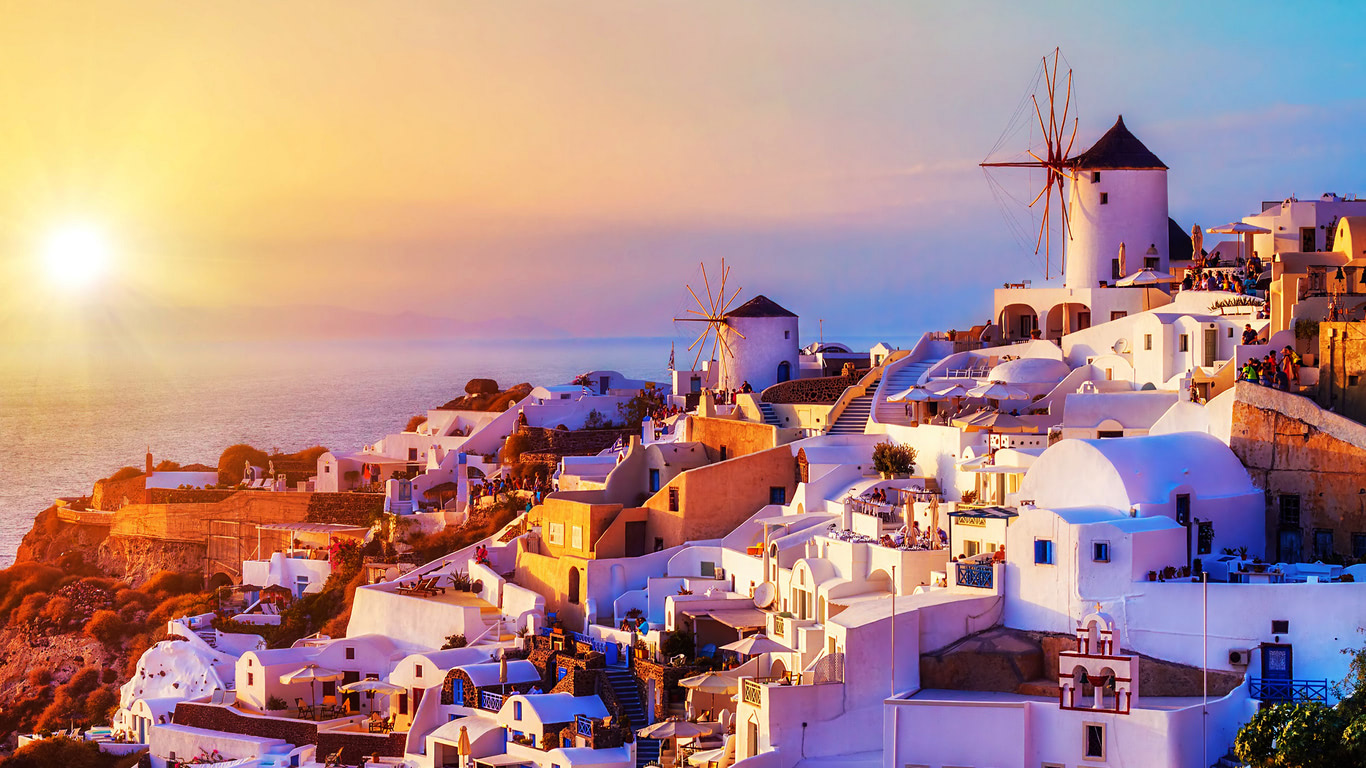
(76, 255)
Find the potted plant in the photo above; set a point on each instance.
(1258, 566)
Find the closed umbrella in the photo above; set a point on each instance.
(462, 747)
(1122, 267)
(1197, 242)
(311, 673)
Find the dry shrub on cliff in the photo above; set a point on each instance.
(19, 581)
(68, 753)
(170, 583)
(68, 702)
(124, 473)
(232, 462)
(107, 627)
(415, 422)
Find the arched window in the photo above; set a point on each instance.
(784, 371)
(574, 586)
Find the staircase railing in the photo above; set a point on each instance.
(853, 392)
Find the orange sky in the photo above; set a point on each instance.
(367, 153)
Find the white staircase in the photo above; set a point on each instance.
(770, 416)
(854, 419)
(901, 378)
(628, 693)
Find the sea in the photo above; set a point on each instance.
(69, 417)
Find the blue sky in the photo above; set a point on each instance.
(561, 169)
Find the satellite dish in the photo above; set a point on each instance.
(1121, 346)
(764, 594)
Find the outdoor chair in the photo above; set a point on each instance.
(305, 711)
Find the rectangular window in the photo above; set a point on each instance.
(1152, 262)
(412, 454)
(1104, 198)
(725, 453)
(1084, 320)
(1095, 177)
(350, 653)
(417, 670)
(777, 495)
(1230, 331)
(1290, 509)
(251, 679)
(654, 481)
(707, 569)
(1147, 342)
(1043, 551)
(1359, 545)
(327, 469)
(516, 710)
(673, 499)
(1183, 509)
(787, 334)
(1118, 314)
(1095, 741)
(576, 537)
(695, 386)
(1185, 342)
(556, 533)
(1308, 239)
(1114, 269)
(1107, 433)
(1100, 551)
(1323, 543)
(1280, 626)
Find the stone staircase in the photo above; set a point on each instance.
(209, 636)
(628, 694)
(854, 419)
(770, 416)
(900, 379)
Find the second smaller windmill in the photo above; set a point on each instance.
(712, 313)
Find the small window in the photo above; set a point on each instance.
(777, 495)
(1104, 198)
(1359, 545)
(1147, 342)
(1118, 314)
(725, 453)
(516, 710)
(412, 454)
(1114, 269)
(417, 670)
(787, 334)
(1094, 734)
(251, 679)
(673, 499)
(350, 653)
(1185, 343)
(1290, 509)
(1100, 551)
(707, 569)
(327, 469)
(1230, 331)
(1323, 543)
(1152, 262)
(1280, 626)
(654, 481)
(1095, 177)
(1043, 551)
(1183, 509)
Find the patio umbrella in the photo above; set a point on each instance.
(756, 644)
(941, 390)
(912, 395)
(371, 686)
(674, 728)
(1244, 229)
(311, 673)
(997, 390)
(998, 422)
(711, 682)
(1144, 277)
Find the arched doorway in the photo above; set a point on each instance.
(1017, 322)
(784, 371)
(1067, 317)
(217, 580)
(574, 585)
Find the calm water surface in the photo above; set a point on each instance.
(68, 418)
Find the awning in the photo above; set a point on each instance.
(501, 760)
(736, 618)
(315, 527)
(994, 512)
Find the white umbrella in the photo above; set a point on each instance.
(371, 686)
(756, 644)
(1144, 277)
(711, 682)
(1244, 229)
(997, 391)
(310, 674)
(946, 389)
(673, 728)
(914, 394)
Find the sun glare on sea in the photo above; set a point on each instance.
(76, 255)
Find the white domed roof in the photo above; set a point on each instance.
(1030, 370)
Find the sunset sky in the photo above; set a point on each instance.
(561, 168)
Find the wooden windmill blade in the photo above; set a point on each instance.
(712, 312)
(1052, 159)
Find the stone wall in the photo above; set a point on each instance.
(579, 442)
(344, 508)
(193, 496)
(1294, 449)
(110, 495)
(666, 677)
(357, 747)
(220, 718)
(825, 390)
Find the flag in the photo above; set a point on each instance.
(671, 355)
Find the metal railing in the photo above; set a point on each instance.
(778, 626)
(753, 692)
(980, 575)
(584, 725)
(490, 701)
(1293, 691)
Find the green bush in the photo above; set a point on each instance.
(455, 641)
(893, 459)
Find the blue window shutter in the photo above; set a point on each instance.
(1039, 550)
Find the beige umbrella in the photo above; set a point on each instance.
(711, 682)
(462, 747)
(934, 522)
(1144, 277)
(1122, 269)
(997, 390)
(1197, 242)
(310, 674)
(756, 644)
(371, 686)
(674, 728)
(912, 395)
(1244, 229)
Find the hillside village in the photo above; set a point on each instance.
(1108, 526)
